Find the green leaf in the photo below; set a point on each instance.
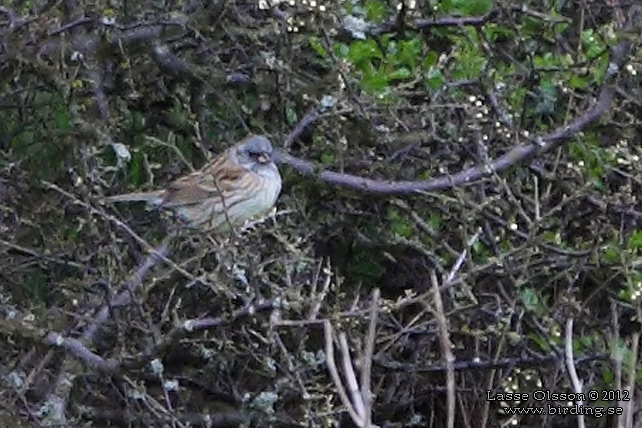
(495, 31)
(62, 119)
(611, 254)
(578, 82)
(635, 241)
(401, 229)
(363, 51)
(445, 6)
(478, 248)
(70, 233)
(530, 299)
(408, 52)
(315, 42)
(546, 97)
(375, 11)
(541, 342)
(434, 79)
(600, 68)
(430, 60)
(398, 225)
(135, 169)
(531, 27)
(374, 82)
(598, 184)
(291, 116)
(593, 43)
(552, 237)
(595, 173)
(400, 74)
(434, 221)
(327, 158)
(341, 50)
(472, 7)
(470, 61)
(393, 214)
(546, 60)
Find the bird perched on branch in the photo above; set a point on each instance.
(241, 183)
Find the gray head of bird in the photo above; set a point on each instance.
(255, 153)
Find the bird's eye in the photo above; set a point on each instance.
(261, 157)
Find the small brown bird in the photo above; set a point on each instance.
(238, 185)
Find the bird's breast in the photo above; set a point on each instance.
(259, 194)
(267, 191)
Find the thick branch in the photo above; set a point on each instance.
(87, 43)
(515, 156)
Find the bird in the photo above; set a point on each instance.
(238, 185)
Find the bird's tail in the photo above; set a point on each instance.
(152, 198)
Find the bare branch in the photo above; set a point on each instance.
(518, 154)
(79, 350)
(190, 326)
(570, 367)
(124, 297)
(502, 363)
(334, 374)
(446, 348)
(87, 43)
(366, 366)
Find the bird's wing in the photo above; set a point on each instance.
(185, 191)
(205, 183)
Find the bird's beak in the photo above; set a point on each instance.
(264, 158)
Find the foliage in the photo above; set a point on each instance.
(106, 98)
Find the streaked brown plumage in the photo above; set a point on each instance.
(236, 186)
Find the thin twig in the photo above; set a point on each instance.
(446, 349)
(318, 298)
(124, 297)
(334, 373)
(631, 376)
(351, 378)
(46, 258)
(366, 363)
(570, 367)
(461, 258)
(123, 226)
